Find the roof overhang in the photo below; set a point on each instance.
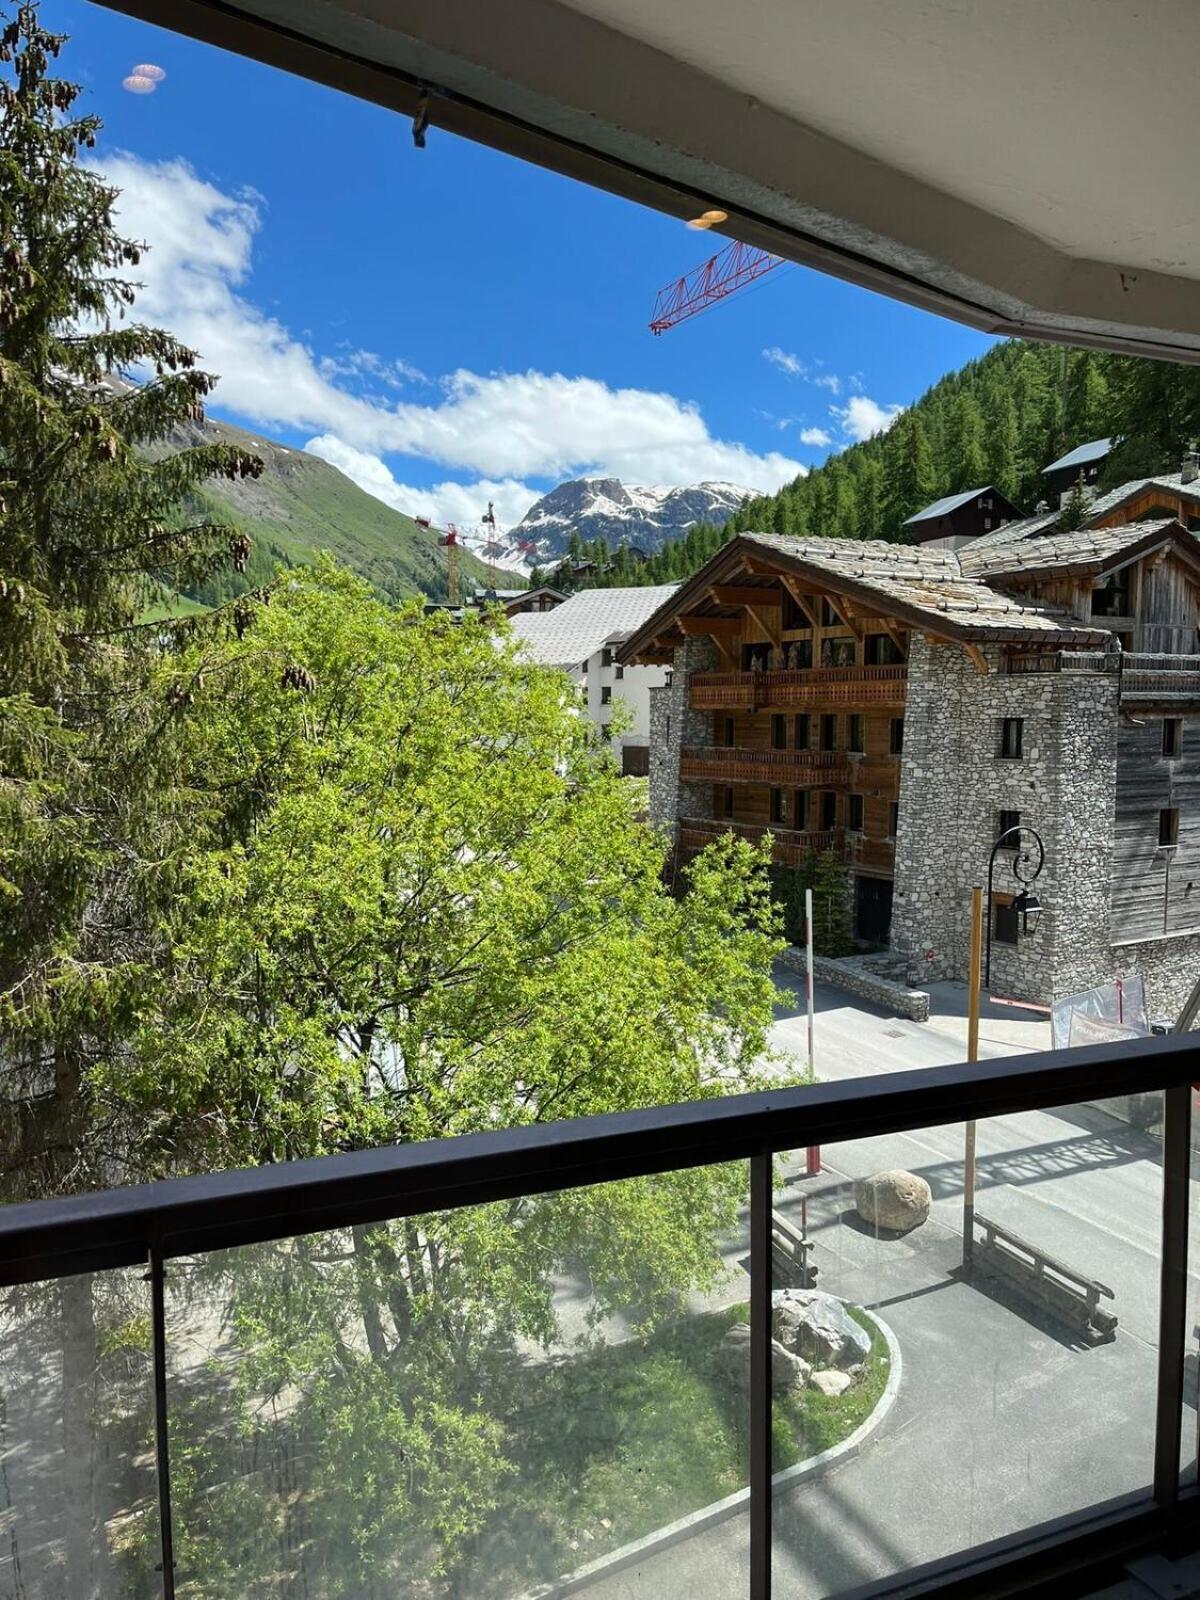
(935, 153)
(647, 643)
(1174, 537)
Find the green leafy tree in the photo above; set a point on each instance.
(427, 906)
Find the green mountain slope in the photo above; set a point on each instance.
(998, 420)
(301, 505)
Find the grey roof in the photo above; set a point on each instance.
(947, 504)
(929, 584)
(1082, 547)
(1081, 455)
(1008, 533)
(1172, 481)
(575, 630)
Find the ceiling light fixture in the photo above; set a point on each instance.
(708, 219)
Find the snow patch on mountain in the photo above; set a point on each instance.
(646, 516)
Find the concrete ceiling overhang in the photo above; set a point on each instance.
(1023, 167)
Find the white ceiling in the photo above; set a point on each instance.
(1026, 165)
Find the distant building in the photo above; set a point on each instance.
(521, 600)
(1081, 465)
(957, 518)
(581, 636)
(903, 706)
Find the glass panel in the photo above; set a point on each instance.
(964, 1406)
(78, 1505)
(467, 1404)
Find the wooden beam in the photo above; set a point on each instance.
(847, 614)
(802, 600)
(770, 620)
(898, 636)
(715, 627)
(729, 594)
(978, 659)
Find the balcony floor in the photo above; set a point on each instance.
(1155, 1578)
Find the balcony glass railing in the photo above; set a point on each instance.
(580, 1354)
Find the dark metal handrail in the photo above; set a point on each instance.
(42, 1240)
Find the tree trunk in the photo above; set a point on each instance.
(83, 1485)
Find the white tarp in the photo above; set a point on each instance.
(1121, 1003)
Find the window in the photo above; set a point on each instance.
(793, 615)
(1168, 827)
(606, 657)
(727, 733)
(854, 813)
(828, 810)
(854, 734)
(837, 653)
(829, 732)
(776, 805)
(756, 657)
(829, 617)
(800, 808)
(1172, 736)
(620, 672)
(1012, 738)
(800, 732)
(585, 694)
(1004, 921)
(881, 650)
(1004, 823)
(725, 797)
(1112, 599)
(896, 736)
(605, 732)
(798, 654)
(779, 733)
(606, 695)
(894, 819)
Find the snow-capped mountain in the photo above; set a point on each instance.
(596, 508)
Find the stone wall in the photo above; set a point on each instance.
(673, 724)
(854, 976)
(954, 785)
(1168, 967)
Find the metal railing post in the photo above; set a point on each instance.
(761, 1177)
(1172, 1304)
(158, 1327)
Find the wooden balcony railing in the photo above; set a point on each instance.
(789, 845)
(863, 852)
(791, 769)
(799, 688)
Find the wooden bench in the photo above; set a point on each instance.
(790, 1251)
(1050, 1283)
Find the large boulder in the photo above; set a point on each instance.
(830, 1382)
(788, 1370)
(895, 1200)
(818, 1328)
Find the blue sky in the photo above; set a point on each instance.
(449, 325)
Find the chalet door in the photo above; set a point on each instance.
(873, 909)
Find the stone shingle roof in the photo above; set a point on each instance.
(1172, 481)
(575, 630)
(926, 585)
(1082, 547)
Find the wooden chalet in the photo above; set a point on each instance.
(1082, 465)
(794, 662)
(957, 518)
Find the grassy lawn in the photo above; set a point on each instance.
(619, 1443)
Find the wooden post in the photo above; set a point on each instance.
(813, 1163)
(974, 985)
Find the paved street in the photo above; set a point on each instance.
(1003, 1419)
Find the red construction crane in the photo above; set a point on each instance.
(724, 274)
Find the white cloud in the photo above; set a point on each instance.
(785, 361)
(501, 427)
(828, 380)
(816, 437)
(861, 416)
(445, 502)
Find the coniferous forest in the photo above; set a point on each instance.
(999, 420)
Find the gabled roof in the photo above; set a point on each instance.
(1082, 550)
(951, 502)
(1010, 533)
(1081, 456)
(1170, 481)
(520, 596)
(918, 586)
(575, 630)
